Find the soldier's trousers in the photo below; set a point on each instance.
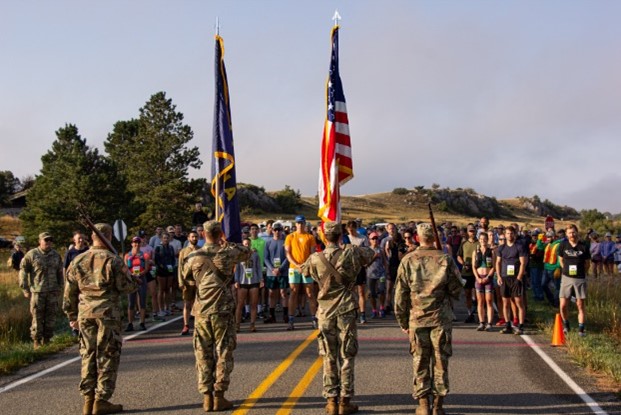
(100, 348)
(431, 348)
(338, 344)
(44, 307)
(214, 342)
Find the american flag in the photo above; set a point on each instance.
(336, 160)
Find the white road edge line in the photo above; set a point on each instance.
(75, 359)
(569, 381)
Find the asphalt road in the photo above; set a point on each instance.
(278, 372)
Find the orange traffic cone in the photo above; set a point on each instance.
(558, 336)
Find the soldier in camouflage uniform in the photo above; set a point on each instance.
(96, 280)
(41, 279)
(335, 270)
(427, 279)
(211, 269)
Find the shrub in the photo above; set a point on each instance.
(400, 191)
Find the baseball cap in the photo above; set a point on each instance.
(550, 233)
(170, 229)
(45, 235)
(332, 228)
(212, 225)
(300, 218)
(373, 235)
(277, 226)
(136, 239)
(608, 234)
(245, 229)
(142, 233)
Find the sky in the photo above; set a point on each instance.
(508, 98)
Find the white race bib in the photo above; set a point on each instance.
(573, 270)
(136, 270)
(276, 262)
(248, 273)
(510, 270)
(291, 272)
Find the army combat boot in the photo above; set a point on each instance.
(423, 406)
(332, 407)
(208, 402)
(437, 405)
(104, 407)
(89, 400)
(220, 403)
(346, 407)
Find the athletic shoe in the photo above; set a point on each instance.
(469, 319)
(130, 327)
(185, 331)
(581, 333)
(315, 323)
(481, 327)
(488, 327)
(143, 327)
(518, 330)
(290, 326)
(382, 313)
(506, 330)
(373, 315)
(363, 319)
(168, 312)
(501, 322)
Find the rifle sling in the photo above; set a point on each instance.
(331, 271)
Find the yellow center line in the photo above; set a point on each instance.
(300, 388)
(267, 383)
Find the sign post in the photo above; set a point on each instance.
(120, 233)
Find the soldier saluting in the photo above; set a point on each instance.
(426, 281)
(335, 270)
(96, 280)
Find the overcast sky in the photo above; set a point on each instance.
(509, 98)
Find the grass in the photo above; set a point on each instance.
(15, 345)
(599, 351)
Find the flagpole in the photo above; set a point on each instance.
(336, 17)
(217, 198)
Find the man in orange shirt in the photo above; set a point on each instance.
(299, 245)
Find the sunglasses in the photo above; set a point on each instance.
(374, 238)
(501, 239)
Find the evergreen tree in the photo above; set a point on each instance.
(153, 154)
(9, 184)
(73, 173)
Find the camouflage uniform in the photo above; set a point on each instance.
(96, 280)
(426, 280)
(214, 311)
(41, 275)
(338, 336)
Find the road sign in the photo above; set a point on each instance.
(120, 230)
(549, 222)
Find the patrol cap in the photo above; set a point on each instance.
(332, 228)
(425, 230)
(103, 227)
(45, 235)
(300, 219)
(212, 226)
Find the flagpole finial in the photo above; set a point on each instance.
(336, 17)
(217, 26)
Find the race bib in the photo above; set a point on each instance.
(291, 272)
(573, 270)
(248, 273)
(276, 262)
(488, 262)
(136, 270)
(170, 268)
(510, 270)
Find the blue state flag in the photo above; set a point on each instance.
(223, 182)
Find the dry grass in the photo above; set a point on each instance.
(10, 226)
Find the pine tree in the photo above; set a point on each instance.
(153, 154)
(73, 173)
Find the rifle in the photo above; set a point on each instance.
(86, 221)
(436, 237)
